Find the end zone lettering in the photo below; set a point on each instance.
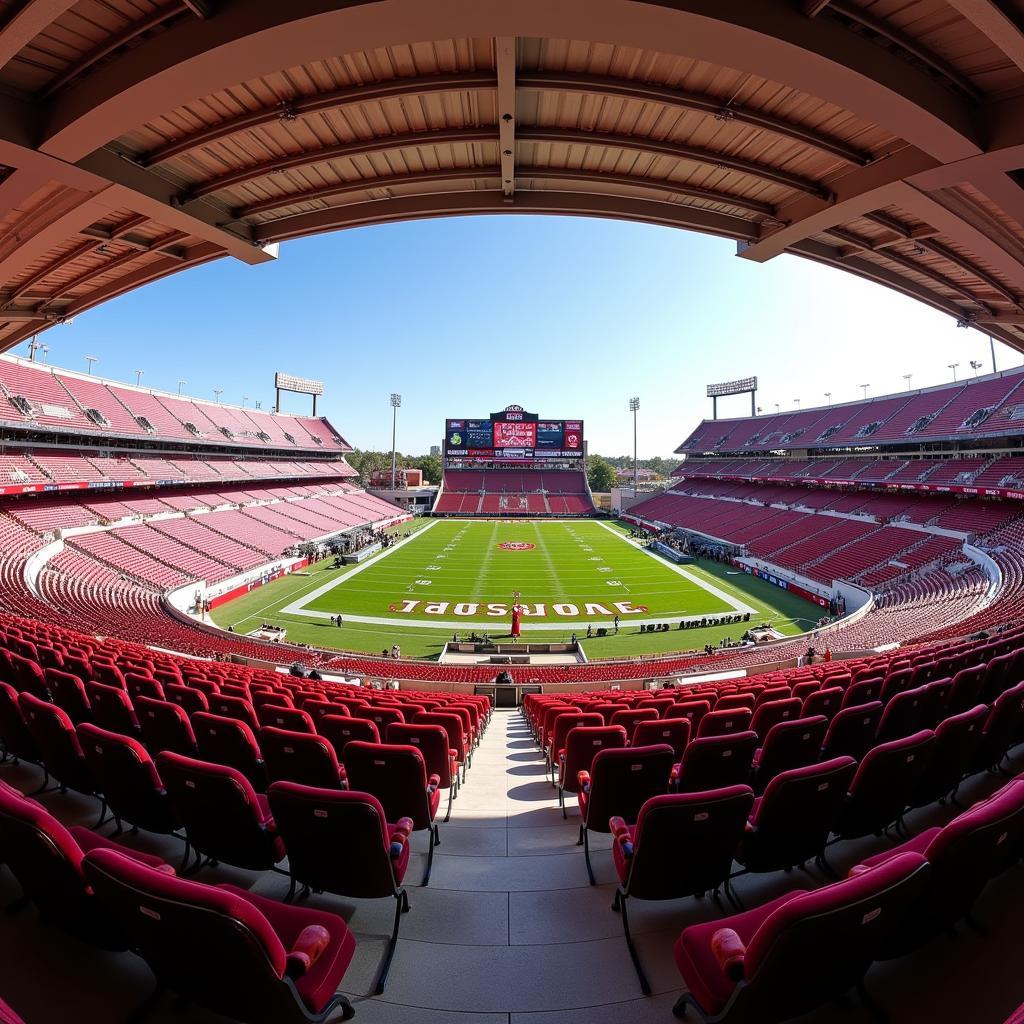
(562, 610)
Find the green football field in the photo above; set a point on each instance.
(460, 576)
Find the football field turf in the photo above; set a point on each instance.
(460, 576)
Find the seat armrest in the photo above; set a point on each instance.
(433, 782)
(583, 781)
(728, 949)
(617, 826)
(401, 830)
(677, 770)
(307, 949)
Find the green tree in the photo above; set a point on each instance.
(430, 465)
(600, 474)
(367, 463)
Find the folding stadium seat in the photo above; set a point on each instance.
(692, 710)
(28, 677)
(1002, 728)
(228, 706)
(660, 704)
(789, 745)
(340, 842)
(224, 817)
(191, 699)
(1004, 671)
(618, 784)
(382, 717)
(561, 724)
(736, 701)
(546, 719)
(454, 726)
(901, 716)
(165, 726)
(714, 762)
(231, 742)
(68, 692)
(605, 709)
(225, 948)
(142, 686)
(967, 686)
(112, 708)
(799, 951)
(61, 753)
(804, 689)
(432, 742)
(397, 777)
(772, 713)
(964, 855)
(673, 731)
(106, 672)
(934, 701)
(865, 691)
(956, 744)
(340, 730)
(825, 702)
(45, 859)
(681, 845)
(894, 683)
(292, 719)
(885, 781)
(301, 757)
(581, 747)
(16, 741)
(725, 722)
(852, 731)
(770, 694)
(128, 779)
(791, 822)
(320, 710)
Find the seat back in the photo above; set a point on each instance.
(432, 743)
(736, 701)
(773, 712)
(884, 784)
(112, 708)
(563, 722)
(279, 717)
(673, 731)
(724, 723)
(54, 736)
(396, 775)
(795, 815)
(221, 812)
(902, 715)
(864, 691)
(211, 945)
(229, 741)
(337, 840)
(956, 741)
(452, 725)
(852, 731)
(791, 745)
(623, 779)
(165, 726)
(143, 686)
(823, 702)
(684, 843)
(68, 692)
(128, 779)
(692, 710)
(967, 686)
(894, 683)
(340, 730)
(581, 747)
(300, 757)
(1003, 726)
(819, 944)
(190, 698)
(230, 706)
(714, 762)
(15, 739)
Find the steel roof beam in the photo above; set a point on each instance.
(26, 23)
(505, 61)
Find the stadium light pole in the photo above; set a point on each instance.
(138, 378)
(797, 400)
(245, 398)
(180, 382)
(828, 396)
(90, 360)
(865, 387)
(634, 405)
(907, 377)
(217, 392)
(975, 366)
(45, 349)
(953, 367)
(992, 349)
(396, 404)
(777, 407)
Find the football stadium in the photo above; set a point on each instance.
(296, 729)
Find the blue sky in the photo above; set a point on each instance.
(568, 317)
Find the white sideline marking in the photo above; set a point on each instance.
(298, 607)
(738, 606)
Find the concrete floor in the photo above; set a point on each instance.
(509, 931)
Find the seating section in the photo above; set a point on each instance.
(513, 492)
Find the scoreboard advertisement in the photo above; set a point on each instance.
(513, 435)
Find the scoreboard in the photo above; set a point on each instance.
(513, 435)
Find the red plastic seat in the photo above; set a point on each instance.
(61, 753)
(341, 842)
(278, 717)
(673, 731)
(957, 739)
(68, 692)
(340, 730)
(301, 757)
(581, 747)
(798, 951)
(852, 732)
(230, 741)
(725, 722)
(112, 709)
(772, 712)
(225, 948)
(165, 726)
(715, 762)
(16, 741)
(225, 819)
(1002, 728)
(432, 742)
(788, 745)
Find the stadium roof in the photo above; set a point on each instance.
(141, 137)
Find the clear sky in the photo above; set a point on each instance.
(567, 317)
